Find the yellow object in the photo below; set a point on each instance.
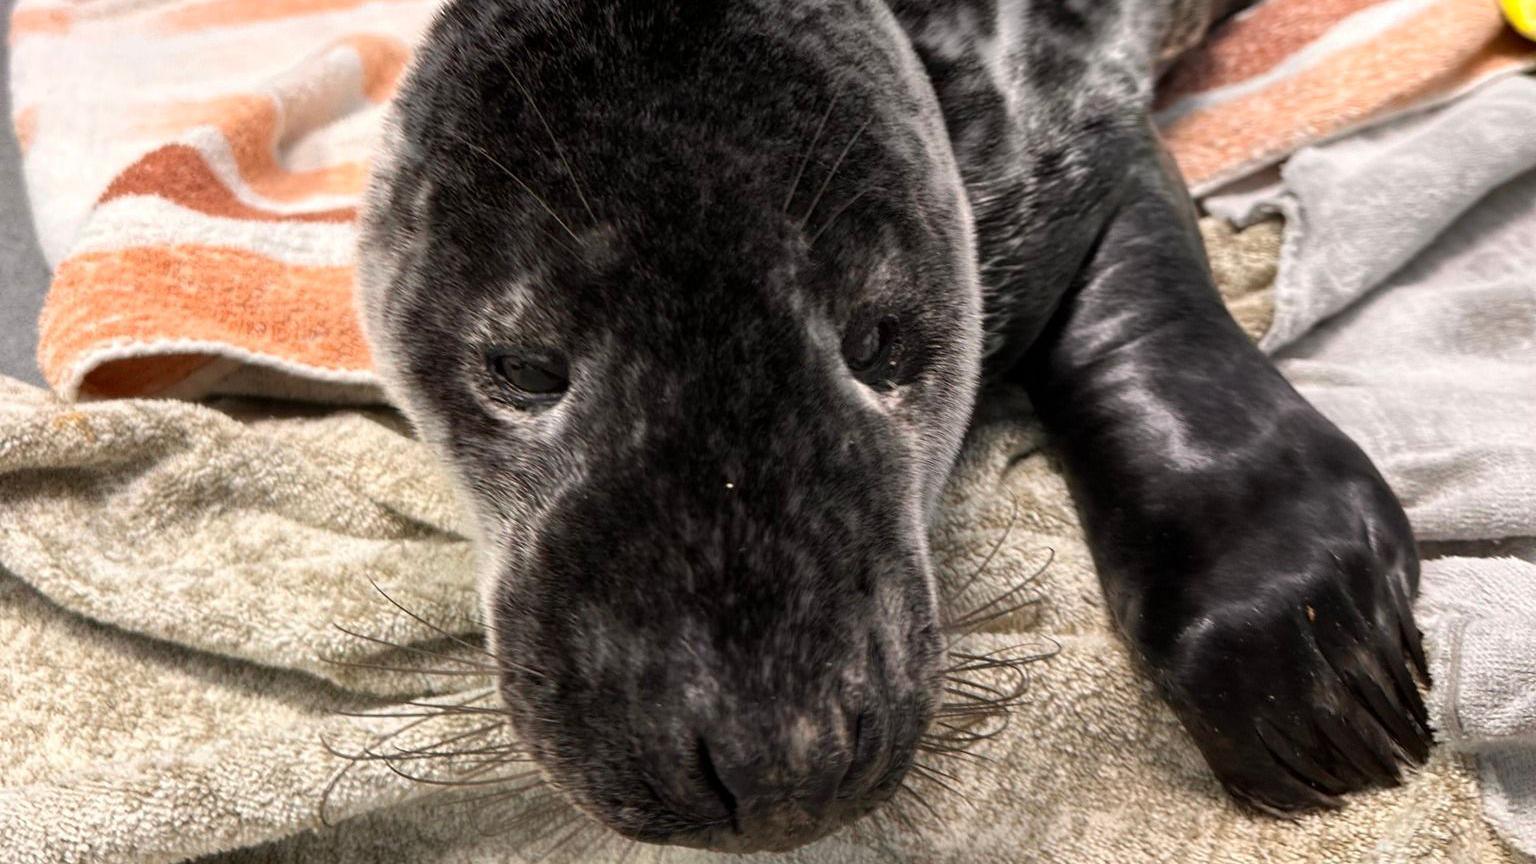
(1522, 14)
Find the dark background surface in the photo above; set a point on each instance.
(23, 275)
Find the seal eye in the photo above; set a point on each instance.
(869, 349)
(539, 380)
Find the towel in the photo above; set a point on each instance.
(1406, 311)
(201, 224)
(183, 573)
(201, 228)
(1488, 665)
(1286, 74)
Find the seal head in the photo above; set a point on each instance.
(684, 293)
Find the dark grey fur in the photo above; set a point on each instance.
(706, 564)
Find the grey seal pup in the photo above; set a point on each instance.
(695, 298)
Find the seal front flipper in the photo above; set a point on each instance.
(1253, 555)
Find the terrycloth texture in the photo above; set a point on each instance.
(175, 749)
(1486, 666)
(200, 222)
(1243, 263)
(1485, 704)
(202, 229)
(1292, 72)
(1432, 368)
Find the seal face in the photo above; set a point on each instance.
(700, 349)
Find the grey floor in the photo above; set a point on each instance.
(23, 275)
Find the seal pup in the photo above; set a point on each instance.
(695, 297)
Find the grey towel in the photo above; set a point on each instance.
(1406, 310)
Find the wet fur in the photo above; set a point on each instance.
(707, 563)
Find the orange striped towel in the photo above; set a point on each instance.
(194, 165)
(194, 168)
(1293, 72)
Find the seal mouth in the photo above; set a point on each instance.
(724, 837)
(793, 826)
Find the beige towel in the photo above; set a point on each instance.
(217, 547)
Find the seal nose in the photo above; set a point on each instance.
(784, 787)
(773, 805)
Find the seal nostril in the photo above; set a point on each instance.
(863, 742)
(716, 785)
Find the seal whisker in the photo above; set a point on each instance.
(408, 752)
(370, 754)
(429, 710)
(943, 787)
(581, 827)
(957, 732)
(853, 139)
(956, 753)
(467, 759)
(986, 562)
(415, 649)
(471, 778)
(989, 696)
(341, 773)
(560, 824)
(383, 667)
(500, 755)
(964, 737)
(392, 715)
(975, 711)
(508, 752)
(849, 203)
(482, 800)
(452, 637)
(537, 796)
(992, 698)
(988, 612)
(501, 664)
(593, 835)
(486, 154)
(991, 664)
(457, 709)
(810, 149)
(965, 740)
(990, 660)
(936, 772)
(559, 151)
(974, 705)
(956, 687)
(920, 799)
(541, 807)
